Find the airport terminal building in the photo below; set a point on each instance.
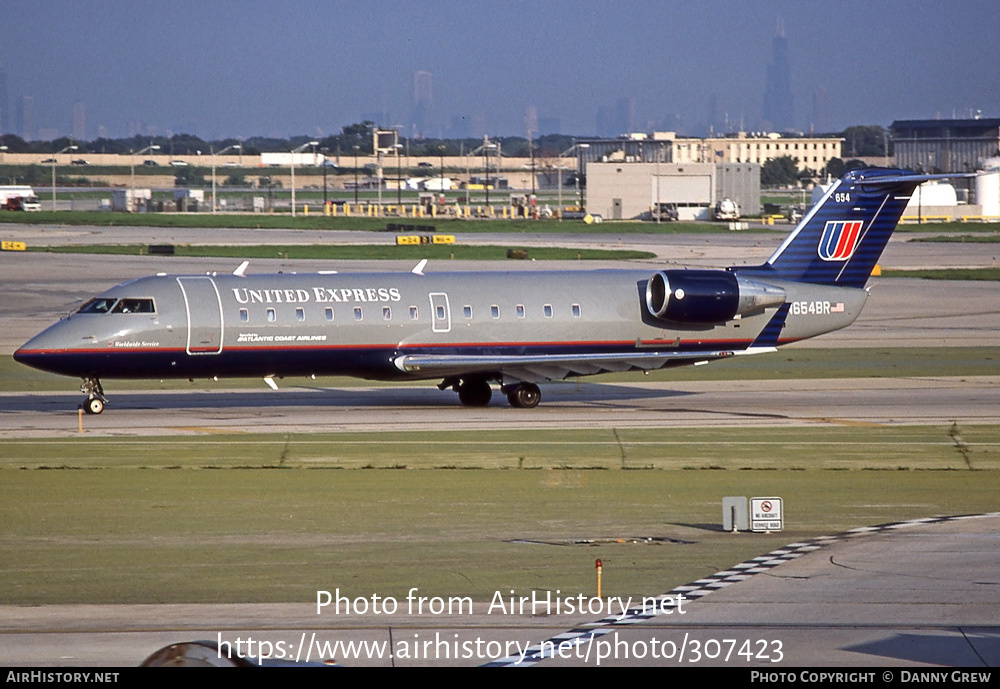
(808, 152)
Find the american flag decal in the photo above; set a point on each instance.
(840, 238)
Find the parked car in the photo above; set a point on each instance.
(150, 163)
(178, 163)
(80, 161)
(664, 212)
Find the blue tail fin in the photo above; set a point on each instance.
(841, 238)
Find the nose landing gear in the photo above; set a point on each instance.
(94, 404)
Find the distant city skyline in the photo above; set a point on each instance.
(243, 69)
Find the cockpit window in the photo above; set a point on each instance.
(134, 306)
(99, 305)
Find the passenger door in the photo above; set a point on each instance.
(204, 315)
(440, 312)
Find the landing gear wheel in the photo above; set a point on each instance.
(525, 396)
(94, 404)
(474, 393)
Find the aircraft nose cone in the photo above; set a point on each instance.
(35, 352)
(27, 354)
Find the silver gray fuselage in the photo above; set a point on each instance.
(361, 324)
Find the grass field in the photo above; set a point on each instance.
(985, 274)
(257, 518)
(991, 238)
(949, 227)
(317, 221)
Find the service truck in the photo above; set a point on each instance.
(19, 198)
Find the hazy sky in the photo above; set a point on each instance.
(223, 68)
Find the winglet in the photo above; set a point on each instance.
(239, 271)
(419, 268)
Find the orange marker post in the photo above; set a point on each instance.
(599, 567)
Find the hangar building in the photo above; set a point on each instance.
(945, 145)
(629, 190)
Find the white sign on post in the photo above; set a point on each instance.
(765, 514)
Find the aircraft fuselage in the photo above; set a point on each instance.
(360, 324)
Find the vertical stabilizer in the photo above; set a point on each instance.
(841, 238)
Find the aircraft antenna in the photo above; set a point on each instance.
(419, 268)
(239, 271)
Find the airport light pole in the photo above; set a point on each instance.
(531, 151)
(486, 160)
(559, 171)
(577, 148)
(214, 157)
(399, 179)
(356, 147)
(294, 151)
(441, 156)
(323, 152)
(132, 155)
(378, 180)
(68, 148)
(659, 209)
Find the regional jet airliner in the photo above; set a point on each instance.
(472, 330)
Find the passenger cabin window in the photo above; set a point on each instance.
(495, 311)
(440, 312)
(358, 315)
(414, 314)
(548, 310)
(467, 311)
(576, 311)
(134, 306)
(520, 310)
(386, 313)
(244, 316)
(300, 314)
(270, 316)
(99, 305)
(329, 313)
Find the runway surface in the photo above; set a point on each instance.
(912, 595)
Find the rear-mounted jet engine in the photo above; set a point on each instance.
(707, 296)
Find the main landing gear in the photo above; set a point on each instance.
(94, 404)
(476, 392)
(523, 395)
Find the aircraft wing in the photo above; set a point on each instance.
(538, 367)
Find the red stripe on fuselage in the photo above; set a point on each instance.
(395, 345)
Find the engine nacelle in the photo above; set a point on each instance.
(707, 296)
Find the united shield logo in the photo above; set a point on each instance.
(840, 238)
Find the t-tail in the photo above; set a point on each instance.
(841, 238)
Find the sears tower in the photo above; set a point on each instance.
(778, 113)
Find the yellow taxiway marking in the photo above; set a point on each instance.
(848, 422)
(206, 429)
